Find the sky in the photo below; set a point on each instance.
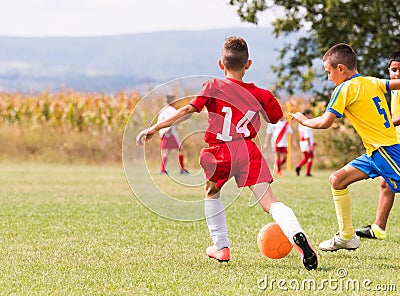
(38, 18)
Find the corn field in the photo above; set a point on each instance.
(64, 126)
(72, 127)
(68, 111)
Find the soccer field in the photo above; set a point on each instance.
(79, 230)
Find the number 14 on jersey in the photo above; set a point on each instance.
(241, 126)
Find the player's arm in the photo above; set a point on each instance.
(310, 149)
(396, 120)
(394, 84)
(321, 122)
(271, 109)
(181, 115)
(267, 141)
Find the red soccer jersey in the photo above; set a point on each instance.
(234, 109)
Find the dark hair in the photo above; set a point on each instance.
(235, 53)
(341, 54)
(307, 111)
(394, 57)
(170, 98)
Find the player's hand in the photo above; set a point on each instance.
(143, 136)
(298, 116)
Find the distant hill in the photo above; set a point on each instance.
(112, 63)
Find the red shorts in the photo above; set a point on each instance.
(169, 142)
(308, 155)
(240, 159)
(281, 149)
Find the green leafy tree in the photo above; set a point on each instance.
(371, 27)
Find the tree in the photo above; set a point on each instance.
(372, 28)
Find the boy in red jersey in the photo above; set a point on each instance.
(234, 109)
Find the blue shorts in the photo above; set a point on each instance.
(385, 162)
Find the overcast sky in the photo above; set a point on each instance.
(109, 17)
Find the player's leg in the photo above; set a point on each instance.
(278, 164)
(385, 203)
(181, 151)
(302, 162)
(309, 164)
(163, 160)
(287, 221)
(346, 238)
(215, 161)
(282, 156)
(216, 222)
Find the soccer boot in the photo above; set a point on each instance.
(373, 231)
(222, 255)
(307, 253)
(298, 171)
(337, 243)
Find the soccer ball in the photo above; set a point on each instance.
(272, 242)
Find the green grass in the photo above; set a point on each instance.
(79, 230)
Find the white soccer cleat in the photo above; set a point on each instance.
(337, 243)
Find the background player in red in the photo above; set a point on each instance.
(169, 138)
(307, 145)
(277, 136)
(234, 109)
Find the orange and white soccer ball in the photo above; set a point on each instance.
(272, 242)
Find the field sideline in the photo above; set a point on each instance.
(79, 230)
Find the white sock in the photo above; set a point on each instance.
(286, 219)
(216, 222)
